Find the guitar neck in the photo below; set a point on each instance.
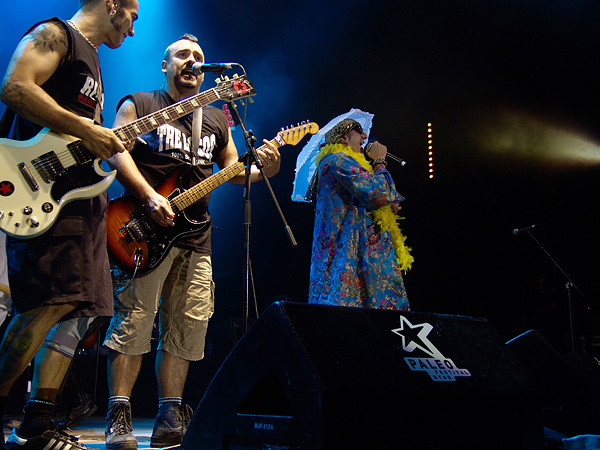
(195, 193)
(230, 90)
(148, 123)
(177, 110)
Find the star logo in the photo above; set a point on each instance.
(437, 366)
(6, 188)
(415, 337)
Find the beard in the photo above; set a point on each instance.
(117, 21)
(186, 83)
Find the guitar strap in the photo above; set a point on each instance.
(196, 133)
(6, 122)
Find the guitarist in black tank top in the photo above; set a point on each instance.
(184, 277)
(53, 80)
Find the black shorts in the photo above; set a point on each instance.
(68, 263)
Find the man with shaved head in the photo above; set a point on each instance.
(181, 287)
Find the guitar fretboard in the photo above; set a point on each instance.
(192, 195)
(152, 121)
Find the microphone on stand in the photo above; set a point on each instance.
(388, 155)
(520, 230)
(200, 68)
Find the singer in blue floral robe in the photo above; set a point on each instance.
(354, 262)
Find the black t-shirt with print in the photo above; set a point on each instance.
(168, 147)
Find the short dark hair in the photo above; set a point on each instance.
(187, 37)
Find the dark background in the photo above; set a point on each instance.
(510, 88)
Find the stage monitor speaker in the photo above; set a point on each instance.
(308, 377)
(569, 384)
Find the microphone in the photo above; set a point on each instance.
(520, 230)
(199, 68)
(389, 155)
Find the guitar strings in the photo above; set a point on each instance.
(130, 131)
(57, 163)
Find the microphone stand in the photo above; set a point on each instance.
(569, 284)
(252, 157)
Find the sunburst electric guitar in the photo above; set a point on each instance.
(132, 234)
(39, 176)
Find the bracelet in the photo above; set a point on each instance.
(377, 162)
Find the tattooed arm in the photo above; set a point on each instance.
(36, 58)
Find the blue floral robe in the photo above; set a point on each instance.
(352, 263)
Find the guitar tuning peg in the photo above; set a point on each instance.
(235, 75)
(218, 81)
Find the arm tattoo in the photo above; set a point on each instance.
(50, 37)
(14, 94)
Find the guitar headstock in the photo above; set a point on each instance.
(232, 89)
(293, 135)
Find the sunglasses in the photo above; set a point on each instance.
(356, 127)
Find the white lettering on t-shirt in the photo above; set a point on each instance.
(90, 87)
(171, 138)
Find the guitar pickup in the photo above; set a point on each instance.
(79, 152)
(49, 167)
(28, 177)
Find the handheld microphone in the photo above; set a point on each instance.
(520, 230)
(389, 155)
(200, 68)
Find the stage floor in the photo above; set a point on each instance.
(91, 432)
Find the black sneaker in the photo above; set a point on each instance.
(170, 425)
(48, 440)
(119, 432)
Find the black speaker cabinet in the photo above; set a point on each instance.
(318, 377)
(569, 384)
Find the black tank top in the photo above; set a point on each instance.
(76, 85)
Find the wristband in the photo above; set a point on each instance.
(377, 162)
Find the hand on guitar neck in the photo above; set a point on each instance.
(270, 158)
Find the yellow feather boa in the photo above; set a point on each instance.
(383, 217)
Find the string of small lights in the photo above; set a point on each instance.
(430, 148)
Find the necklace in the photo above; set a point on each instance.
(84, 36)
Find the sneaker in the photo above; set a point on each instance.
(77, 415)
(119, 432)
(170, 425)
(49, 440)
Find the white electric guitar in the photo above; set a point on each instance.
(39, 176)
